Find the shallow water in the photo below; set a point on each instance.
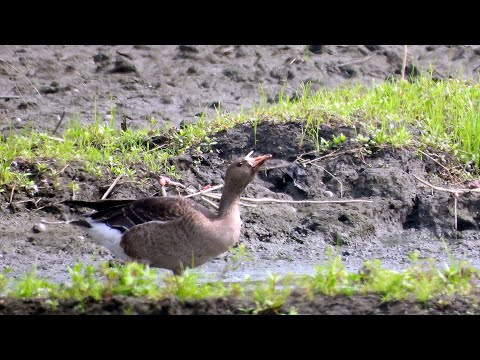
(393, 254)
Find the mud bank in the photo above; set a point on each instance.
(403, 217)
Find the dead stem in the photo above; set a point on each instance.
(111, 187)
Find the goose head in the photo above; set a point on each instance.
(242, 171)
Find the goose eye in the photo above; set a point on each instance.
(239, 164)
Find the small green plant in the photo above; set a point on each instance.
(84, 283)
(240, 254)
(272, 294)
(188, 286)
(338, 140)
(332, 278)
(30, 286)
(74, 187)
(133, 279)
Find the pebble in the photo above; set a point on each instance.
(328, 193)
(39, 227)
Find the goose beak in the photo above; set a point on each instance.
(258, 161)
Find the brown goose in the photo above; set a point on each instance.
(172, 232)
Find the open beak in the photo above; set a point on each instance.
(258, 161)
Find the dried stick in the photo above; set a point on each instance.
(453, 191)
(11, 194)
(404, 65)
(111, 187)
(328, 172)
(358, 61)
(455, 225)
(49, 205)
(54, 138)
(435, 161)
(54, 222)
(205, 191)
(9, 97)
(209, 202)
(20, 93)
(14, 68)
(270, 200)
(59, 122)
(333, 153)
(219, 196)
(180, 185)
(164, 191)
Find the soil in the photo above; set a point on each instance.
(297, 303)
(178, 83)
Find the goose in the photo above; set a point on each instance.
(172, 232)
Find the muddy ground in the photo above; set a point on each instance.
(296, 304)
(174, 84)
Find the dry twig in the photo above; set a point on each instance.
(11, 194)
(59, 122)
(14, 68)
(111, 187)
(456, 193)
(333, 176)
(404, 65)
(270, 200)
(359, 61)
(205, 191)
(453, 191)
(436, 162)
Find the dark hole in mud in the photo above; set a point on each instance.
(412, 220)
(344, 218)
(463, 225)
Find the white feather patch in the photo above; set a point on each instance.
(248, 158)
(107, 237)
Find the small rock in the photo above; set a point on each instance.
(328, 194)
(39, 227)
(108, 117)
(17, 119)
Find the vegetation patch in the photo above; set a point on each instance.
(422, 281)
(424, 113)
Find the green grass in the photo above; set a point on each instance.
(422, 280)
(443, 115)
